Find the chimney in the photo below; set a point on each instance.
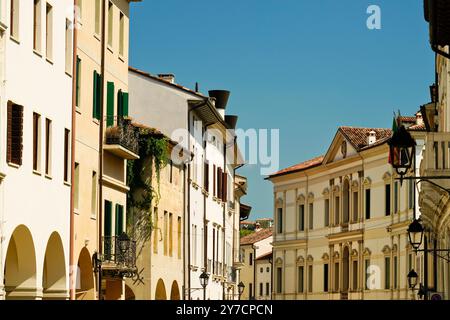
(167, 77)
(231, 121)
(371, 138)
(258, 227)
(221, 97)
(419, 119)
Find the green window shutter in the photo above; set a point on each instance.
(95, 96)
(108, 219)
(119, 219)
(99, 95)
(110, 105)
(125, 104)
(119, 104)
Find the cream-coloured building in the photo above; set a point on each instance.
(36, 85)
(341, 222)
(255, 253)
(104, 141)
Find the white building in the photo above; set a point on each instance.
(35, 121)
(212, 214)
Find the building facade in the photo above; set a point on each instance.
(341, 222)
(36, 54)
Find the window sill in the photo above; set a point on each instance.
(96, 121)
(94, 218)
(97, 36)
(68, 73)
(110, 49)
(49, 60)
(66, 183)
(37, 52)
(14, 165)
(121, 58)
(78, 110)
(76, 211)
(36, 172)
(17, 41)
(49, 177)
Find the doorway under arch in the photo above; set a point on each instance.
(20, 266)
(175, 291)
(129, 293)
(54, 282)
(160, 293)
(85, 289)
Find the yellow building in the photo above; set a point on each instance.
(103, 144)
(341, 222)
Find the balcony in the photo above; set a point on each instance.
(123, 140)
(119, 256)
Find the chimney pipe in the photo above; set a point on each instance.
(372, 138)
(231, 121)
(167, 77)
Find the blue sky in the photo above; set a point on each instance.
(304, 67)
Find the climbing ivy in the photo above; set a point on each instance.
(153, 157)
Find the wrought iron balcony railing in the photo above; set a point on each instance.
(125, 136)
(119, 252)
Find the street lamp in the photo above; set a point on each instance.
(204, 278)
(412, 279)
(401, 151)
(415, 234)
(241, 287)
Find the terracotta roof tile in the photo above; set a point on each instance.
(256, 236)
(417, 127)
(265, 256)
(301, 166)
(358, 136)
(412, 119)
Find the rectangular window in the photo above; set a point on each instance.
(396, 207)
(280, 220)
(94, 194)
(300, 285)
(170, 234)
(301, 217)
(122, 34)
(395, 273)
(206, 177)
(367, 204)
(107, 230)
(66, 154)
(355, 207)
(69, 47)
(387, 198)
(78, 82)
(250, 291)
(14, 19)
(337, 210)
(36, 142)
(97, 91)
(14, 134)
(310, 278)
(279, 280)
(49, 31)
(387, 273)
(37, 25)
(98, 13)
(179, 232)
(156, 230)
(260, 289)
(267, 289)
(411, 193)
(355, 275)
(48, 147)
(250, 260)
(110, 104)
(325, 277)
(76, 186)
(119, 220)
(166, 230)
(214, 181)
(110, 23)
(367, 273)
(336, 276)
(327, 212)
(311, 216)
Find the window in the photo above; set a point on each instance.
(411, 194)
(355, 275)
(94, 194)
(49, 31)
(110, 104)
(337, 210)
(367, 273)
(395, 273)
(179, 244)
(107, 227)
(156, 230)
(170, 167)
(170, 234)
(260, 289)
(110, 23)
(280, 220)
(97, 91)
(300, 285)
(279, 280)
(206, 176)
(396, 207)
(301, 217)
(325, 277)
(327, 212)
(98, 13)
(355, 207)
(37, 25)
(119, 219)
(14, 19)
(261, 270)
(367, 204)
(387, 273)
(36, 142)
(310, 278)
(78, 82)
(250, 260)
(80, 10)
(336, 276)
(311, 216)
(267, 289)
(66, 154)
(69, 47)
(122, 34)
(48, 147)
(166, 229)
(76, 181)
(387, 198)
(268, 269)
(15, 134)
(250, 291)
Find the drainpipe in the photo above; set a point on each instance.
(184, 233)
(254, 274)
(72, 163)
(224, 213)
(100, 142)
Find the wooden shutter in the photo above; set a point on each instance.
(95, 96)
(15, 133)
(125, 97)
(219, 183)
(206, 176)
(214, 180)
(9, 134)
(110, 105)
(119, 104)
(107, 227)
(224, 186)
(119, 219)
